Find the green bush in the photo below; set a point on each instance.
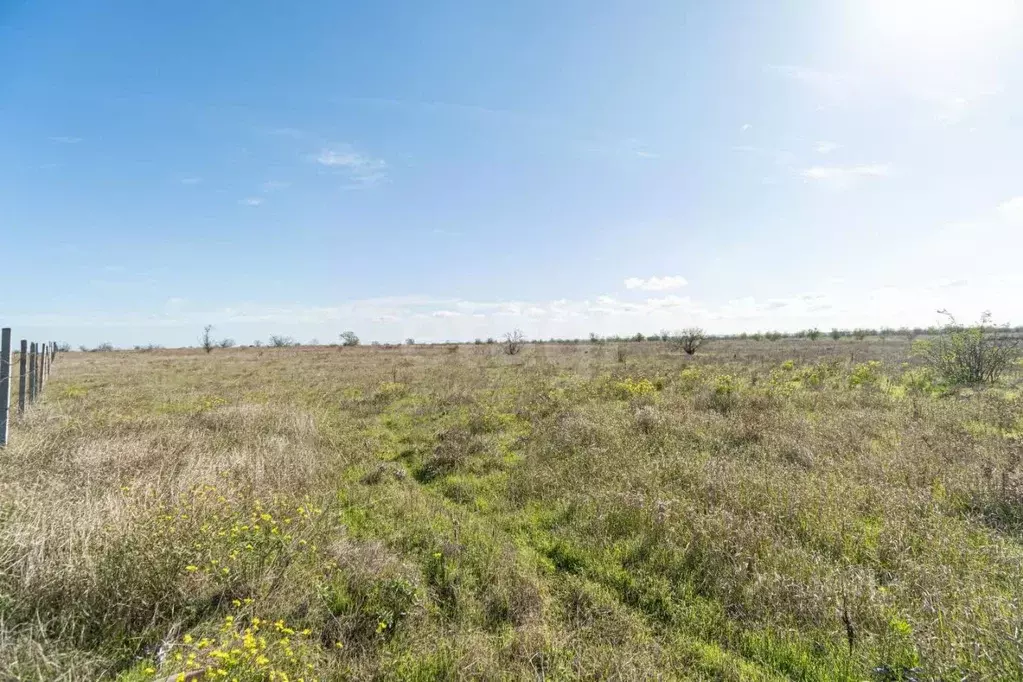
(970, 355)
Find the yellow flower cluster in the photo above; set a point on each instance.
(262, 650)
(221, 532)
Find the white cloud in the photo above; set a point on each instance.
(656, 283)
(745, 127)
(446, 313)
(1012, 210)
(274, 185)
(362, 170)
(842, 177)
(63, 139)
(191, 180)
(250, 201)
(825, 147)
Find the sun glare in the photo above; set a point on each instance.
(940, 27)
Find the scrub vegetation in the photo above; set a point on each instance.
(810, 508)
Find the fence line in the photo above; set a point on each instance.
(35, 362)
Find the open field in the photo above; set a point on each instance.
(761, 511)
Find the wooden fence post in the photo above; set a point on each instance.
(22, 379)
(5, 383)
(40, 362)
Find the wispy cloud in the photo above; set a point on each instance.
(825, 147)
(274, 185)
(191, 181)
(656, 283)
(607, 145)
(745, 127)
(251, 201)
(843, 177)
(832, 88)
(294, 133)
(63, 139)
(361, 170)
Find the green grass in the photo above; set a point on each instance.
(792, 510)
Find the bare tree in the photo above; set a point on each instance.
(207, 339)
(692, 338)
(226, 343)
(513, 342)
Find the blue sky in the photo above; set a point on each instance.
(458, 169)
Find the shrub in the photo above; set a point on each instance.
(410, 341)
(835, 334)
(226, 343)
(621, 353)
(725, 393)
(632, 388)
(865, 374)
(349, 339)
(813, 334)
(860, 334)
(970, 355)
(513, 342)
(206, 340)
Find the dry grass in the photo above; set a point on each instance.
(762, 510)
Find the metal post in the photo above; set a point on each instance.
(32, 373)
(22, 379)
(5, 383)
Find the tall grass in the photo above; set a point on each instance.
(806, 510)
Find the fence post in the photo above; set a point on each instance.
(40, 363)
(5, 383)
(22, 379)
(32, 373)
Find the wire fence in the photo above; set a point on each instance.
(35, 361)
